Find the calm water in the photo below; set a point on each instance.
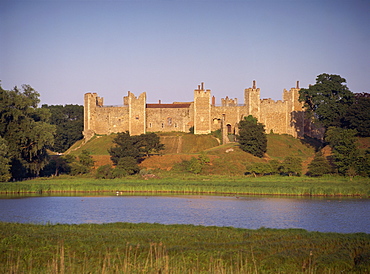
(325, 215)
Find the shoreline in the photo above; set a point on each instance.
(185, 193)
(334, 186)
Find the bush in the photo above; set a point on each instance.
(292, 166)
(195, 165)
(126, 166)
(319, 166)
(104, 172)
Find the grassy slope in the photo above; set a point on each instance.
(225, 159)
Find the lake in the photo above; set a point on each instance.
(313, 214)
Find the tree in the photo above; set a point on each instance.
(125, 146)
(328, 100)
(319, 166)
(275, 166)
(125, 166)
(69, 124)
(358, 115)
(363, 164)
(58, 165)
(150, 143)
(26, 129)
(258, 169)
(136, 147)
(4, 161)
(345, 151)
(83, 165)
(196, 165)
(252, 137)
(104, 172)
(292, 166)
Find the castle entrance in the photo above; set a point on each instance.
(229, 129)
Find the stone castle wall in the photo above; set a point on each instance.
(137, 116)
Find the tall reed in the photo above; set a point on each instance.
(155, 248)
(274, 185)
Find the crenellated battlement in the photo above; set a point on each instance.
(226, 102)
(284, 116)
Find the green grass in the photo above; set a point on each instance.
(281, 146)
(98, 145)
(192, 184)
(155, 248)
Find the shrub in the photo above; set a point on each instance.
(104, 172)
(126, 166)
(319, 166)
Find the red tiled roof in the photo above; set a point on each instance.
(179, 105)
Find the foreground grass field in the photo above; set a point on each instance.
(155, 248)
(192, 184)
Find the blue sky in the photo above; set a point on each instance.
(64, 49)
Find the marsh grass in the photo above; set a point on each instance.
(191, 184)
(155, 248)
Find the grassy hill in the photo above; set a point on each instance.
(225, 159)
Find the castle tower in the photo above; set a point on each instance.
(252, 101)
(90, 103)
(136, 113)
(295, 113)
(202, 110)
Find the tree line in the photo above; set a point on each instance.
(27, 132)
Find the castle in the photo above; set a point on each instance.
(137, 116)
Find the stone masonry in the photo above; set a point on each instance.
(137, 116)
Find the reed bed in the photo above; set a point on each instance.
(238, 185)
(155, 248)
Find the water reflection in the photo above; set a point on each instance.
(326, 215)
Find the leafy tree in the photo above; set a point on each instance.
(252, 137)
(328, 100)
(69, 124)
(258, 169)
(194, 165)
(363, 164)
(4, 161)
(125, 166)
(345, 151)
(136, 147)
(125, 146)
(150, 143)
(26, 129)
(319, 166)
(104, 172)
(83, 165)
(358, 115)
(292, 166)
(86, 159)
(275, 166)
(58, 165)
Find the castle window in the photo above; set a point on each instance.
(137, 117)
(169, 121)
(175, 125)
(150, 125)
(162, 125)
